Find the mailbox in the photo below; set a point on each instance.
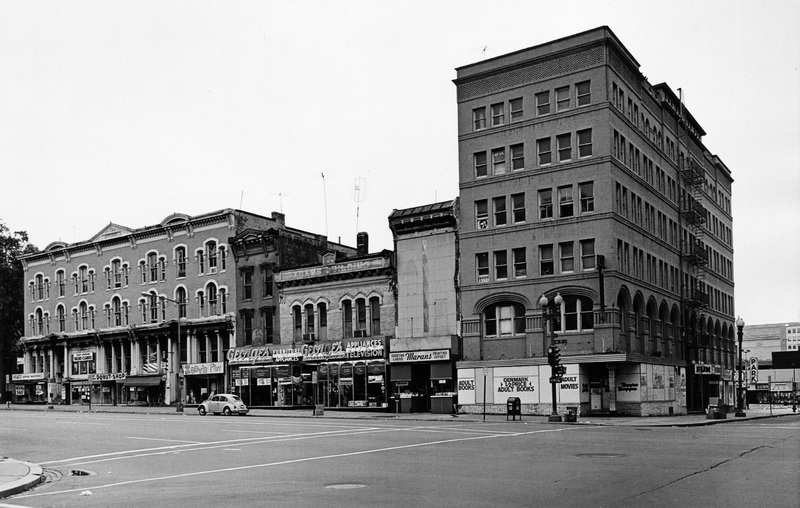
(513, 408)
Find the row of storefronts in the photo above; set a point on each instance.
(355, 374)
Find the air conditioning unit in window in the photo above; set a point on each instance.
(213, 269)
(309, 337)
(483, 223)
(359, 333)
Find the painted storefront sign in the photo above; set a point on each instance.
(195, 369)
(420, 356)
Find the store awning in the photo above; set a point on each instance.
(142, 380)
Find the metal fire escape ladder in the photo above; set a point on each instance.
(694, 216)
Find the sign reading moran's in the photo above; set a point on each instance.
(338, 350)
(420, 356)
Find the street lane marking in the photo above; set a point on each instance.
(291, 461)
(169, 440)
(215, 444)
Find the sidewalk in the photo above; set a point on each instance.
(16, 476)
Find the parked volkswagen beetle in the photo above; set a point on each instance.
(225, 403)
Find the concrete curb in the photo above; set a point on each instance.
(34, 477)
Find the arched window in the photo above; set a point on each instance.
(84, 312)
(39, 287)
(61, 280)
(375, 315)
(201, 302)
(309, 312)
(211, 253)
(322, 312)
(61, 317)
(39, 322)
(180, 296)
(116, 309)
(223, 301)
(152, 265)
(212, 299)
(504, 319)
(180, 261)
(297, 322)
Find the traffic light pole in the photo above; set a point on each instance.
(553, 355)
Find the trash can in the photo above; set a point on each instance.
(712, 412)
(571, 415)
(319, 410)
(513, 408)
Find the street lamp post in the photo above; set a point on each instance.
(179, 405)
(739, 327)
(549, 317)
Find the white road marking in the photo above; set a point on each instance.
(292, 461)
(168, 440)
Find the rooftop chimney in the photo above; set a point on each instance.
(362, 243)
(279, 218)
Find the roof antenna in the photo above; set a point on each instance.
(484, 52)
(241, 198)
(325, 197)
(360, 193)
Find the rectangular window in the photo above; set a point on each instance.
(267, 315)
(499, 161)
(586, 190)
(520, 263)
(587, 255)
(518, 207)
(565, 208)
(542, 103)
(247, 285)
(500, 214)
(498, 114)
(517, 157)
(515, 109)
(564, 145)
(562, 98)
(347, 318)
(500, 265)
(481, 214)
(543, 149)
(266, 282)
(479, 118)
(546, 204)
(546, 260)
(583, 93)
(585, 143)
(479, 161)
(361, 314)
(567, 255)
(482, 265)
(375, 316)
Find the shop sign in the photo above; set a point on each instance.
(727, 374)
(20, 390)
(83, 356)
(628, 387)
(420, 356)
(517, 384)
(250, 355)
(20, 360)
(193, 369)
(707, 369)
(32, 376)
(569, 383)
(341, 350)
(107, 377)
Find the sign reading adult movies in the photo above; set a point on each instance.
(340, 350)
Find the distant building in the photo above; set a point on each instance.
(758, 344)
(581, 181)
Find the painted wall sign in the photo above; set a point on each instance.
(570, 383)
(628, 387)
(420, 356)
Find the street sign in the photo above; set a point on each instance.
(556, 379)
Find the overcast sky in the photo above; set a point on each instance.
(126, 112)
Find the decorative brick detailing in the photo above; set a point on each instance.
(536, 71)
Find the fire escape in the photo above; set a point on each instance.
(695, 254)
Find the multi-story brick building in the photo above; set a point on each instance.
(118, 318)
(581, 182)
(337, 318)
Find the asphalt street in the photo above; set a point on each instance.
(186, 460)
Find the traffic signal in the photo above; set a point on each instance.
(551, 355)
(560, 370)
(556, 355)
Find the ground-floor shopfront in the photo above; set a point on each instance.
(340, 374)
(613, 385)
